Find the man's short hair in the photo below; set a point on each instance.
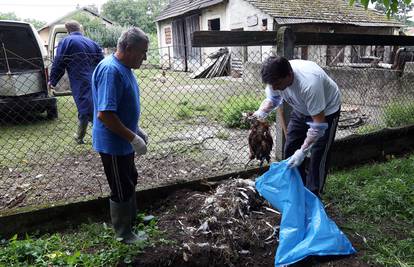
(133, 36)
(275, 68)
(72, 26)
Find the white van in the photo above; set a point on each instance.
(23, 73)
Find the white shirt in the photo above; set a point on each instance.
(311, 92)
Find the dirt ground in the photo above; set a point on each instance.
(69, 178)
(230, 225)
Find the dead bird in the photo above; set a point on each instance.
(260, 141)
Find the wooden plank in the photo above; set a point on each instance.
(233, 38)
(257, 38)
(311, 38)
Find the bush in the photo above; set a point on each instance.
(399, 114)
(235, 107)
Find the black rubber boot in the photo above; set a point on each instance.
(81, 132)
(121, 217)
(133, 206)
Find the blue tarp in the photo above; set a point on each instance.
(305, 228)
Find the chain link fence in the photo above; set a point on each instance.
(192, 104)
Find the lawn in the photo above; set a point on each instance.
(376, 204)
(373, 204)
(166, 107)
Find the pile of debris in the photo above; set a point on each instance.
(351, 117)
(219, 66)
(233, 222)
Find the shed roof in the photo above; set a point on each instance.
(322, 11)
(179, 7)
(295, 11)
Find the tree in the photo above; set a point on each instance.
(38, 24)
(9, 16)
(94, 28)
(12, 16)
(390, 6)
(140, 13)
(402, 13)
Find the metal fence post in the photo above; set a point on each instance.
(169, 58)
(285, 42)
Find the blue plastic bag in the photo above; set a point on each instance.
(305, 228)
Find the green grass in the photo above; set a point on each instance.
(21, 143)
(369, 128)
(377, 203)
(89, 245)
(166, 106)
(399, 114)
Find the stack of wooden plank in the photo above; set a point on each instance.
(219, 66)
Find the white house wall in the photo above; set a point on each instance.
(241, 14)
(213, 12)
(165, 50)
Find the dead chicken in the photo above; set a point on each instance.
(260, 141)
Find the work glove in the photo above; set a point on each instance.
(296, 159)
(260, 115)
(50, 85)
(141, 133)
(139, 145)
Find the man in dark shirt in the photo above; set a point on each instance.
(78, 55)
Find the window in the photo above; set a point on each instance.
(167, 32)
(264, 24)
(214, 24)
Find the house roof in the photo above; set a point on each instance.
(73, 12)
(295, 11)
(322, 11)
(179, 7)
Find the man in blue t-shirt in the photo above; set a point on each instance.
(116, 134)
(78, 55)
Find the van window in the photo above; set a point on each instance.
(58, 37)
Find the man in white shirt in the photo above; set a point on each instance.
(316, 103)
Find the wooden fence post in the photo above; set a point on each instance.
(285, 42)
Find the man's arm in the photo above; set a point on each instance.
(316, 130)
(113, 123)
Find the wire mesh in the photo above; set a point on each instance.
(192, 108)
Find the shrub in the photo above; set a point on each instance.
(399, 114)
(233, 109)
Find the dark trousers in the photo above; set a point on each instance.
(83, 119)
(121, 175)
(315, 169)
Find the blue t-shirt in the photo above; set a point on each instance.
(114, 88)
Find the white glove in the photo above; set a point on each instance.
(260, 115)
(139, 145)
(296, 159)
(141, 133)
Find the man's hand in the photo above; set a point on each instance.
(139, 145)
(143, 135)
(50, 86)
(296, 159)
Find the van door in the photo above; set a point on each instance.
(58, 32)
